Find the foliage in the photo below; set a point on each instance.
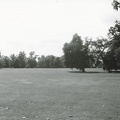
(97, 50)
(22, 59)
(31, 61)
(76, 53)
(114, 47)
(1, 62)
(116, 4)
(13, 61)
(109, 61)
(114, 35)
(6, 62)
(112, 56)
(18, 61)
(50, 61)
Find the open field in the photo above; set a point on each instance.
(59, 94)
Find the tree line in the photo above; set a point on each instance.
(78, 53)
(33, 61)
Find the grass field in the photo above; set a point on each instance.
(59, 94)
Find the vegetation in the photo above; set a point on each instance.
(112, 56)
(33, 61)
(78, 53)
(50, 61)
(94, 53)
(116, 4)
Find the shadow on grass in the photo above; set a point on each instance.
(86, 72)
(93, 72)
(115, 71)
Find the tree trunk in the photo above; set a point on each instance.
(109, 70)
(83, 70)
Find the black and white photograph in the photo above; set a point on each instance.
(59, 59)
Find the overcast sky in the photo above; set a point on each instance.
(44, 26)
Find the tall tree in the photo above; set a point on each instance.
(75, 53)
(97, 50)
(112, 56)
(114, 36)
(109, 61)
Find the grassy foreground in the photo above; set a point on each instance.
(59, 94)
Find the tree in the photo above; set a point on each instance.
(41, 62)
(22, 59)
(112, 56)
(109, 61)
(57, 62)
(116, 4)
(114, 35)
(6, 61)
(1, 62)
(114, 32)
(13, 59)
(98, 49)
(62, 61)
(50, 61)
(31, 62)
(76, 54)
(114, 47)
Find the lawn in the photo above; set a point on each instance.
(59, 94)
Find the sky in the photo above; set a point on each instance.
(44, 26)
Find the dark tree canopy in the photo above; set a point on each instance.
(109, 61)
(75, 53)
(112, 56)
(22, 59)
(97, 50)
(31, 60)
(116, 4)
(50, 61)
(114, 36)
